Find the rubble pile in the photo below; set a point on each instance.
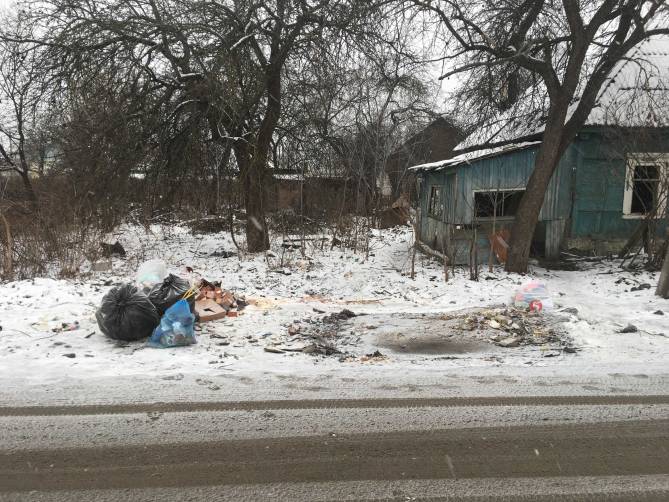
(214, 303)
(513, 327)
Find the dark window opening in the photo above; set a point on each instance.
(434, 206)
(498, 204)
(645, 182)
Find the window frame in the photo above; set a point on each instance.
(493, 190)
(440, 203)
(661, 162)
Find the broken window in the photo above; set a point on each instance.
(434, 206)
(645, 184)
(497, 203)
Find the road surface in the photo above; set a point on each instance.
(510, 448)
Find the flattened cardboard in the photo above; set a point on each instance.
(209, 310)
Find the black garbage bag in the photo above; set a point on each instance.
(127, 314)
(170, 291)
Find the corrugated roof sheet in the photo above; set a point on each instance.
(466, 158)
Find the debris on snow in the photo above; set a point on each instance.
(510, 341)
(376, 287)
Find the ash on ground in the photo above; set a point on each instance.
(454, 334)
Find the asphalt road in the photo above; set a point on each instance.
(564, 448)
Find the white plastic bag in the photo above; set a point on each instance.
(533, 296)
(151, 273)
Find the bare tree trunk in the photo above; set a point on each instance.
(526, 217)
(663, 284)
(257, 237)
(252, 174)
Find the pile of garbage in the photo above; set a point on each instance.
(512, 326)
(527, 321)
(163, 307)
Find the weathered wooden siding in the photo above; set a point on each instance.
(508, 171)
(600, 182)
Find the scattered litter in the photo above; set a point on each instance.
(340, 316)
(374, 356)
(222, 253)
(175, 328)
(274, 350)
(323, 349)
(511, 341)
(127, 314)
(641, 287)
(72, 326)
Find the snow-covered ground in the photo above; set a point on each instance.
(287, 288)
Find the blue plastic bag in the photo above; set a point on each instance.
(175, 328)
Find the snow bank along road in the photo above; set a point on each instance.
(612, 447)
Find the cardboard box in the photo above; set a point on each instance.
(209, 310)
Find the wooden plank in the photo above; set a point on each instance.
(500, 244)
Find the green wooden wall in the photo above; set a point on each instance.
(600, 180)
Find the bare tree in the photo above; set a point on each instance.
(223, 63)
(569, 48)
(22, 88)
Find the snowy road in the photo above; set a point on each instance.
(495, 448)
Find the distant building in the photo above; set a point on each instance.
(311, 195)
(435, 142)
